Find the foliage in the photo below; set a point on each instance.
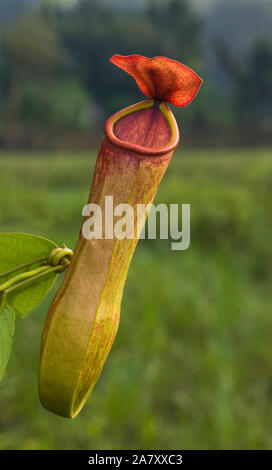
(253, 96)
(28, 269)
(18, 249)
(30, 52)
(60, 107)
(254, 93)
(31, 45)
(7, 327)
(180, 29)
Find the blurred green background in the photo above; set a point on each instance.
(191, 366)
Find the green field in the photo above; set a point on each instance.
(191, 366)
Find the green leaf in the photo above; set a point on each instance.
(17, 249)
(7, 327)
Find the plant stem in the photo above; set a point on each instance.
(21, 277)
(18, 268)
(23, 282)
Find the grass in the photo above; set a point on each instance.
(191, 366)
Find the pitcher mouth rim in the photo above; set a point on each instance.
(139, 149)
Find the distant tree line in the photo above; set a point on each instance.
(57, 85)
